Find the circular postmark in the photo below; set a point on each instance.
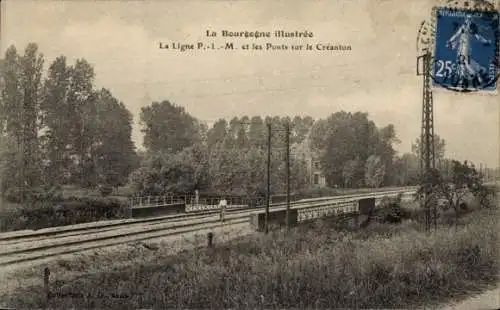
(464, 46)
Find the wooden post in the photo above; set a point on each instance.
(268, 176)
(288, 176)
(46, 274)
(210, 238)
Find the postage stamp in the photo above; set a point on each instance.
(466, 50)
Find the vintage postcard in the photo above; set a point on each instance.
(249, 154)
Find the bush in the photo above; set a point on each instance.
(390, 210)
(13, 194)
(59, 212)
(105, 190)
(18, 194)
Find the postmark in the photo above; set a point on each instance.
(466, 50)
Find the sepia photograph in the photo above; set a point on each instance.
(250, 154)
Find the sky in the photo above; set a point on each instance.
(121, 40)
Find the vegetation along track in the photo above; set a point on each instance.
(66, 240)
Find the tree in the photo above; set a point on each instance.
(387, 138)
(406, 169)
(217, 133)
(168, 128)
(439, 148)
(344, 137)
(87, 133)
(180, 174)
(351, 172)
(20, 111)
(257, 134)
(254, 170)
(114, 151)
(56, 118)
(31, 74)
(301, 128)
(82, 108)
(242, 140)
(225, 168)
(465, 180)
(11, 129)
(374, 171)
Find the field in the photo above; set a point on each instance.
(324, 264)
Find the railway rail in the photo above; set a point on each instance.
(37, 245)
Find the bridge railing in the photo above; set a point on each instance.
(202, 203)
(322, 207)
(212, 202)
(150, 201)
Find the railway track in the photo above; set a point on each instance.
(38, 245)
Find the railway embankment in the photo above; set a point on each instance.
(323, 263)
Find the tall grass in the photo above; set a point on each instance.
(317, 266)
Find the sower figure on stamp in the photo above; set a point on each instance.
(467, 68)
(222, 206)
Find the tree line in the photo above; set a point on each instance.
(58, 128)
(183, 154)
(230, 157)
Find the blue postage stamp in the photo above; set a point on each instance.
(466, 50)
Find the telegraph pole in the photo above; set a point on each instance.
(287, 175)
(268, 203)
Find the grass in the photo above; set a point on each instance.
(316, 265)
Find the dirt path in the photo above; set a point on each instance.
(486, 301)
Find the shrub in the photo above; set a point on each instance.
(13, 194)
(18, 194)
(59, 212)
(105, 190)
(389, 210)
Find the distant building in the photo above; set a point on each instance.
(315, 171)
(317, 174)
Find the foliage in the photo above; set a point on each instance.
(345, 140)
(73, 133)
(374, 171)
(19, 124)
(37, 214)
(351, 173)
(390, 210)
(59, 130)
(463, 181)
(168, 127)
(172, 173)
(439, 148)
(406, 170)
(115, 156)
(105, 190)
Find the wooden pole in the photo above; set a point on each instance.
(268, 176)
(287, 176)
